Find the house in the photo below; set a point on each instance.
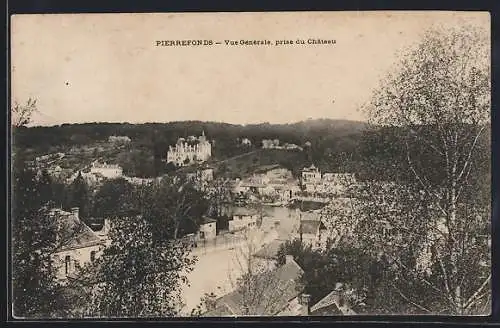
(335, 303)
(119, 139)
(102, 229)
(108, 171)
(267, 255)
(310, 175)
(312, 232)
(200, 176)
(274, 293)
(78, 244)
(246, 142)
(243, 218)
(270, 144)
(291, 146)
(208, 229)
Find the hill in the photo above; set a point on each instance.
(333, 142)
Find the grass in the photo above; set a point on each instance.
(244, 165)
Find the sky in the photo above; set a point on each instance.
(106, 67)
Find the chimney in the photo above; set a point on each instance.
(305, 300)
(288, 259)
(76, 212)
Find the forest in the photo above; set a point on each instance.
(335, 146)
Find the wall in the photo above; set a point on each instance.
(80, 255)
(108, 172)
(240, 222)
(209, 230)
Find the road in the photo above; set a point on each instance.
(218, 267)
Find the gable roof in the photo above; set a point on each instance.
(207, 220)
(311, 226)
(332, 301)
(74, 233)
(271, 292)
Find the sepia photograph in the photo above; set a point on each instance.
(244, 164)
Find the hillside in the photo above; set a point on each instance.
(333, 143)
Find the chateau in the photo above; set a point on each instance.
(190, 151)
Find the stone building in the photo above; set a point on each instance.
(78, 243)
(190, 151)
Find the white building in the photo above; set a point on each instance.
(208, 229)
(243, 218)
(190, 151)
(119, 139)
(311, 230)
(311, 175)
(270, 144)
(313, 181)
(109, 171)
(246, 142)
(78, 243)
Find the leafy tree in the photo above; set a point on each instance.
(36, 292)
(174, 207)
(45, 186)
(114, 197)
(440, 97)
(79, 195)
(135, 277)
(207, 302)
(219, 192)
(21, 115)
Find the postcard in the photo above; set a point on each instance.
(250, 164)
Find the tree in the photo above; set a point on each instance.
(207, 302)
(220, 195)
(21, 115)
(174, 207)
(35, 290)
(324, 269)
(440, 96)
(258, 290)
(135, 276)
(114, 197)
(79, 195)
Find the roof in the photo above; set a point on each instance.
(269, 251)
(221, 310)
(265, 168)
(311, 226)
(244, 211)
(310, 216)
(272, 292)
(310, 168)
(206, 220)
(332, 300)
(73, 232)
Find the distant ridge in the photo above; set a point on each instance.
(308, 122)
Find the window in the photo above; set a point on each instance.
(92, 256)
(67, 263)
